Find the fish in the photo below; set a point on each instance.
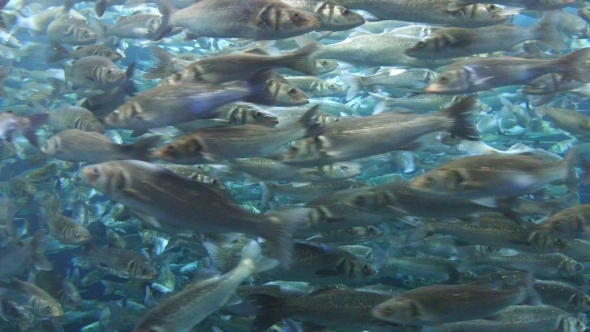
(74, 117)
(61, 53)
(332, 16)
(496, 176)
(94, 72)
(258, 20)
(92, 147)
(59, 288)
(189, 307)
(568, 223)
(237, 142)
(361, 137)
(17, 257)
(24, 293)
(439, 304)
(120, 262)
(123, 181)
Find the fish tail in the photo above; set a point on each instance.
(4, 72)
(279, 230)
(269, 311)
(129, 86)
(30, 124)
(60, 53)
(303, 60)
(109, 288)
(140, 150)
(568, 162)
(460, 113)
(38, 245)
(575, 66)
(267, 193)
(163, 66)
(548, 31)
(164, 28)
(99, 27)
(310, 122)
(252, 253)
(354, 83)
(100, 6)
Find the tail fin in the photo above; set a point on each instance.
(166, 10)
(354, 83)
(100, 6)
(38, 245)
(548, 32)
(575, 64)
(460, 112)
(381, 105)
(129, 87)
(269, 311)
(252, 254)
(279, 228)
(267, 193)
(109, 287)
(303, 60)
(60, 53)
(4, 72)
(30, 124)
(99, 27)
(140, 149)
(568, 162)
(163, 65)
(309, 120)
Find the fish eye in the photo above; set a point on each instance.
(331, 86)
(258, 115)
(345, 12)
(421, 44)
(579, 267)
(109, 72)
(344, 168)
(86, 32)
(292, 92)
(95, 170)
(324, 62)
(492, 7)
(76, 233)
(108, 53)
(296, 16)
(443, 79)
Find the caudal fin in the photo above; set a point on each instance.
(460, 113)
(568, 163)
(310, 122)
(548, 32)
(279, 231)
(253, 254)
(166, 10)
(100, 6)
(269, 311)
(60, 53)
(140, 150)
(574, 65)
(303, 60)
(38, 245)
(163, 66)
(354, 83)
(30, 124)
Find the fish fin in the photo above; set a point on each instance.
(139, 132)
(100, 6)
(41, 262)
(267, 193)
(456, 5)
(486, 201)
(30, 125)
(302, 60)
(140, 149)
(164, 28)
(585, 164)
(279, 232)
(129, 86)
(354, 83)
(305, 41)
(163, 66)
(99, 27)
(575, 63)
(548, 30)
(310, 122)
(220, 260)
(269, 311)
(460, 112)
(568, 162)
(60, 53)
(253, 254)
(150, 220)
(109, 287)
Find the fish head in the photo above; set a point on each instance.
(424, 47)
(487, 13)
(84, 35)
(566, 226)
(78, 235)
(335, 17)
(243, 113)
(107, 177)
(142, 270)
(398, 310)
(109, 53)
(284, 20)
(128, 114)
(568, 267)
(285, 94)
(183, 148)
(46, 308)
(89, 123)
(112, 76)
(454, 80)
(325, 66)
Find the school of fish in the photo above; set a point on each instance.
(294, 165)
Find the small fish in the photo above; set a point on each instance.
(189, 307)
(95, 72)
(24, 293)
(61, 53)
